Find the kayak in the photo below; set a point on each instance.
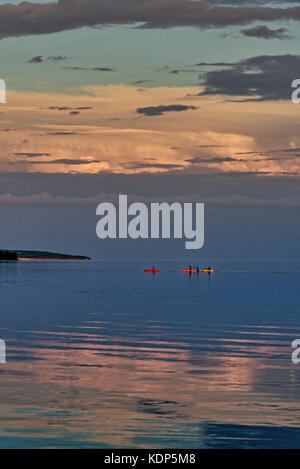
(209, 271)
(188, 270)
(151, 270)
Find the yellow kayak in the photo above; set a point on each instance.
(209, 271)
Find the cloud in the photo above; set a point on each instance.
(176, 71)
(44, 18)
(62, 132)
(201, 160)
(217, 188)
(66, 161)
(265, 33)
(59, 108)
(271, 152)
(69, 108)
(160, 110)
(32, 155)
(52, 58)
(36, 60)
(264, 77)
(248, 2)
(215, 64)
(198, 160)
(56, 58)
(211, 146)
(141, 82)
(137, 165)
(93, 69)
(281, 154)
(210, 142)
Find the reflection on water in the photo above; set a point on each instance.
(103, 355)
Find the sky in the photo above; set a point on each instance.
(164, 100)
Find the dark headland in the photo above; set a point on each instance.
(38, 255)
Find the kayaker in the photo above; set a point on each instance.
(153, 268)
(197, 269)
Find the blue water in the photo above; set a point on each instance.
(104, 355)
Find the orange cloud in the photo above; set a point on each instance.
(98, 129)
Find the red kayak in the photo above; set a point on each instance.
(188, 270)
(151, 270)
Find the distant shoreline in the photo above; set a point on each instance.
(39, 256)
(24, 259)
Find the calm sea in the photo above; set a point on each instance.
(101, 354)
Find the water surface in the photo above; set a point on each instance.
(101, 354)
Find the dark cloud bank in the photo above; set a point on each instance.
(249, 2)
(34, 18)
(264, 77)
(264, 32)
(152, 185)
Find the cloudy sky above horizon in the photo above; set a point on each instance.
(158, 98)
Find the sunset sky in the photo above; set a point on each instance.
(167, 100)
